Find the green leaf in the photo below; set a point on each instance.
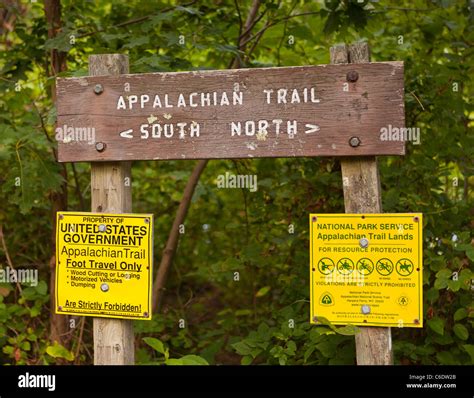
(444, 274)
(35, 311)
(461, 313)
(242, 348)
(194, 360)
(461, 331)
(327, 348)
(454, 285)
(156, 345)
(58, 351)
(308, 353)
(446, 358)
(187, 360)
(470, 350)
(437, 325)
(26, 346)
(62, 42)
(290, 348)
(470, 253)
(246, 360)
(348, 330)
(137, 41)
(263, 291)
(42, 288)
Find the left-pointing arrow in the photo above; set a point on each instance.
(127, 133)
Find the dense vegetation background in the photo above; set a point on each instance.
(261, 318)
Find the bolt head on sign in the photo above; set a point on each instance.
(376, 284)
(104, 264)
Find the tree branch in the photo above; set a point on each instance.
(7, 255)
(240, 16)
(249, 23)
(172, 242)
(78, 187)
(58, 323)
(276, 22)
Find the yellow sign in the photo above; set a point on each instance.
(366, 269)
(104, 264)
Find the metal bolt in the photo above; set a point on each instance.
(315, 319)
(61, 216)
(100, 146)
(147, 220)
(364, 242)
(354, 142)
(102, 228)
(417, 321)
(98, 89)
(104, 287)
(145, 314)
(365, 309)
(352, 76)
(314, 219)
(60, 308)
(416, 218)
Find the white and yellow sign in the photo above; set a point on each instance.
(104, 264)
(367, 269)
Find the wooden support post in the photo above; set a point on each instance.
(362, 194)
(111, 193)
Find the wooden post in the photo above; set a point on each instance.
(111, 193)
(362, 194)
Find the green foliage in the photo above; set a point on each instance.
(158, 346)
(240, 277)
(58, 351)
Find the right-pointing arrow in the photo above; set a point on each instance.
(127, 133)
(311, 128)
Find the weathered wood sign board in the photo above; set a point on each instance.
(367, 269)
(104, 264)
(325, 110)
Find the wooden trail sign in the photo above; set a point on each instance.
(325, 110)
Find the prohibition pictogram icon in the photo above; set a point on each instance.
(326, 265)
(345, 266)
(384, 266)
(404, 267)
(365, 266)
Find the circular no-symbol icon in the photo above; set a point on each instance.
(404, 267)
(345, 266)
(326, 265)
(365, 266)
(384, 266)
